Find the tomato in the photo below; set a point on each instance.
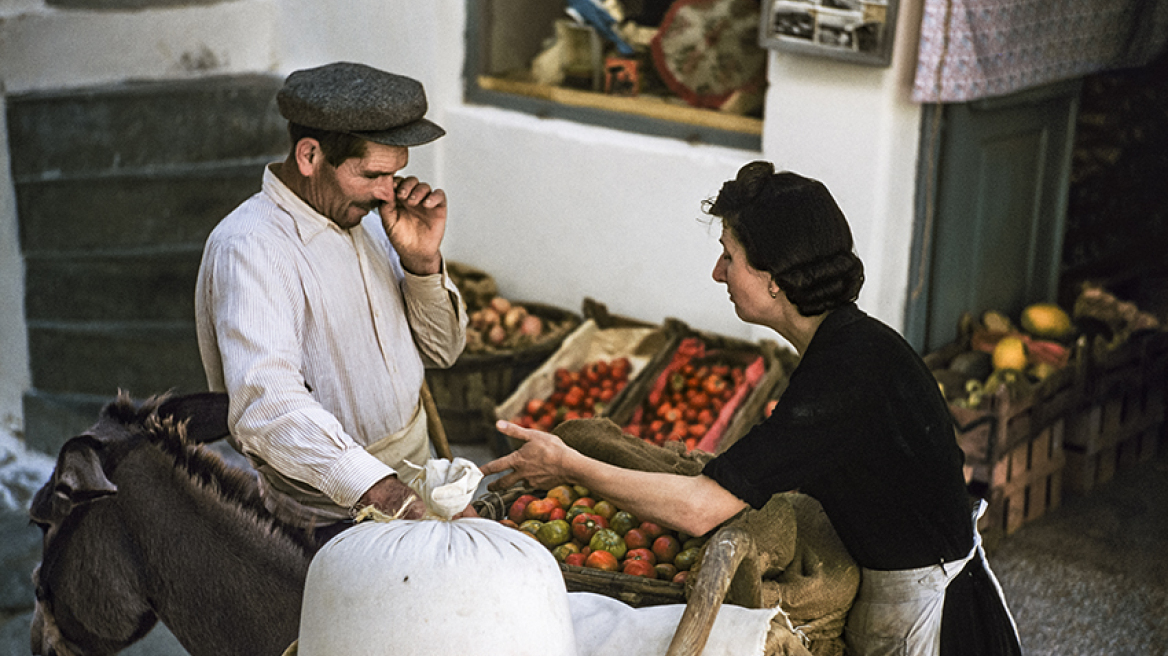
(652, 530)
(564, 494)
(584, 526)
(516, 512)
(557, 513)
(531, 526)
(554, 533)
(641, 554)
(686, 559)
(639, 568)
(665, 571)
(533, 407)
(540, 509)
(602, 560)
(508, 523)
(714, 385)
(666, 548)
(605, 509)
(636, 538)
(681, 576)
(622, 521)
(576, 559)
(608, 540)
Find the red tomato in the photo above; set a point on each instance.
(636, 538)
(639, 568)
(651, 529)
(584, 526)
(533, 406)
(541, 509)
(666, 548)
(601, 559)
(518, 507)
(641, 554)
(576, 559)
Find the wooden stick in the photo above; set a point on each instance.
(434, 424)
(730, 556)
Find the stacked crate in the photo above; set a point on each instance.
(1120, 418)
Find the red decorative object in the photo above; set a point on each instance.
(707, 50)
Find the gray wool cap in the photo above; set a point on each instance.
(361, 100)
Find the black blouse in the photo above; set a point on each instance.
(863, 428)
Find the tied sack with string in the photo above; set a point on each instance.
(435, 585)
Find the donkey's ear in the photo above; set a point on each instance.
(204, 412)
(79, 476)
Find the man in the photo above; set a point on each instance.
(321, 299)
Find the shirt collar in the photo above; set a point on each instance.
(309, 222)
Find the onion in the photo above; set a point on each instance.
(497, 335)
(532, 326)
(500, 305)
(514, 317)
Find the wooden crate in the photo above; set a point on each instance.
(1122, 413)
(600, 336)
(1026, 482)
(1015, 447)
(466, 394)
(776, 363)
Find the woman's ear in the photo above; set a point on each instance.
(309, 156)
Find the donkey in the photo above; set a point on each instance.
(142, 524)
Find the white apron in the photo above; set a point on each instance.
(898, 613)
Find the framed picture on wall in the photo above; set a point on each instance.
(859, 31)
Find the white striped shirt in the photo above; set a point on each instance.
(319, 337)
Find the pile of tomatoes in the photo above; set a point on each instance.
(583, 531)
(577, 394)
(687, 399)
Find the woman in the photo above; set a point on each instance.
(862, 427)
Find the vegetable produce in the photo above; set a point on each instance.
(579, 394)
(694, 397)
(592, 540)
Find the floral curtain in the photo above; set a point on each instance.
(971, 49)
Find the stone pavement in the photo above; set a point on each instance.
(1088, 579)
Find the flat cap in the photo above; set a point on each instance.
(361, 100)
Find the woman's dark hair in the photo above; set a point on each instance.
(791, 227)
(336, 146)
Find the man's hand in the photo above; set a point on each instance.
(415, 223)
(540, 461)
(389, 495)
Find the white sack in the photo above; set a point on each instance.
(607, 627)
(432, 586)
(446, 487)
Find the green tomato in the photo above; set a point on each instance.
(609, 540)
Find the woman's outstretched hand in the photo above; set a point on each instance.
(540, 461)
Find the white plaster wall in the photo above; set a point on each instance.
(555, 210)
(14, 375)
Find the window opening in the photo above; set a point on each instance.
(689, 69)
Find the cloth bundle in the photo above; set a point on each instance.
(806, 571)
(432, 586)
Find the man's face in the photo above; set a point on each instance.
(346, 193)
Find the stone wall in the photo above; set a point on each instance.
(117, 189)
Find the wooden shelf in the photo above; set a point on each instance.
(647, 106)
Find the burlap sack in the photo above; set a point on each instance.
(806, 571)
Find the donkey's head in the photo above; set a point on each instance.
(89, 597)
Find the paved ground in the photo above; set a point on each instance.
(1091, 578)
(1088, 579)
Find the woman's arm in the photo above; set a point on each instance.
(693, 504)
